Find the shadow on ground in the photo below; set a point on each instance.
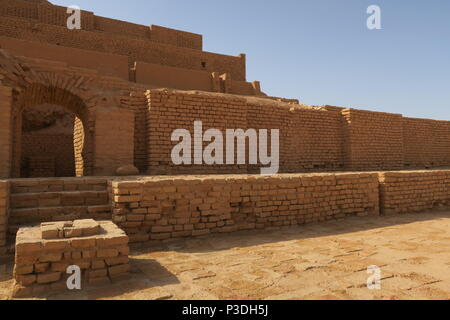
(148, 273)
(250, 238)
(145, 274)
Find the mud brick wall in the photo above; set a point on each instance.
(426, 143)
(163, 208)
(19, 8)
(38, 145)
(176, 37)
(40, 166)
(57, 15)
(170, 77)
(414, 191)
(121, 27)
(105, 63)
(315, 141)
(243, 88)
(5, 131)
(114, 140)
(135, 48)
(271, 116)
(4, 212)
(310, 139)
(170, 110)
(373, 140)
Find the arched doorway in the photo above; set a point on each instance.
(51, 135)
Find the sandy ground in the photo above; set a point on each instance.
(320, 261)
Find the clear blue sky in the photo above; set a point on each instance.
(319, 51)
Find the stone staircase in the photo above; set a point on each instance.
(33, 201)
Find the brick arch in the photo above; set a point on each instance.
(38, 94)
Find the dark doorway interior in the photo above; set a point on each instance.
(47, 142)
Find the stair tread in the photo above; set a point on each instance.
(80, 206)
(58, 192)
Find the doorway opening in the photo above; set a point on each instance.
(47, 142)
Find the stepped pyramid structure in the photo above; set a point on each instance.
(78, 105)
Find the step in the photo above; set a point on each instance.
(19, 186)
(58, 199)
(30, 216)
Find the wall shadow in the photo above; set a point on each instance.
(249, 238)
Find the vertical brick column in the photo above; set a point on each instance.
(114, 140)
(4, 199)
(5, 132)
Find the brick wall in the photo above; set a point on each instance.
(105, 63)
(176, 37)
(114, 140)
(5, 132)
(373, 140)
(414, 191)
(156, 208)
(426, 143)
(169, 111)
(4, 212)
(45, 12)
(162, 208)
(170, 77)
(124, 28)
(243, 88)
(60, 147)
(135, 48)
(310, 139)
(19, 8)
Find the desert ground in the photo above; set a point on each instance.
(325, 261)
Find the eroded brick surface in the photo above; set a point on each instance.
(100, 250)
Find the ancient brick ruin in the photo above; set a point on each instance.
(44, 253)
(77, 105)
(65, 91)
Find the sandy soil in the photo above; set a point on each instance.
(321, 261)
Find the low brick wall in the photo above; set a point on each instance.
(172, 207)
(156, 208)
(414, 191)
(4, 201)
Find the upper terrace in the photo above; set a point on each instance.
(42, 11)
(150, 55)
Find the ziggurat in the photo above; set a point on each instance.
(77, 105)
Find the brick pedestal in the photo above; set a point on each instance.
(43, 254)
